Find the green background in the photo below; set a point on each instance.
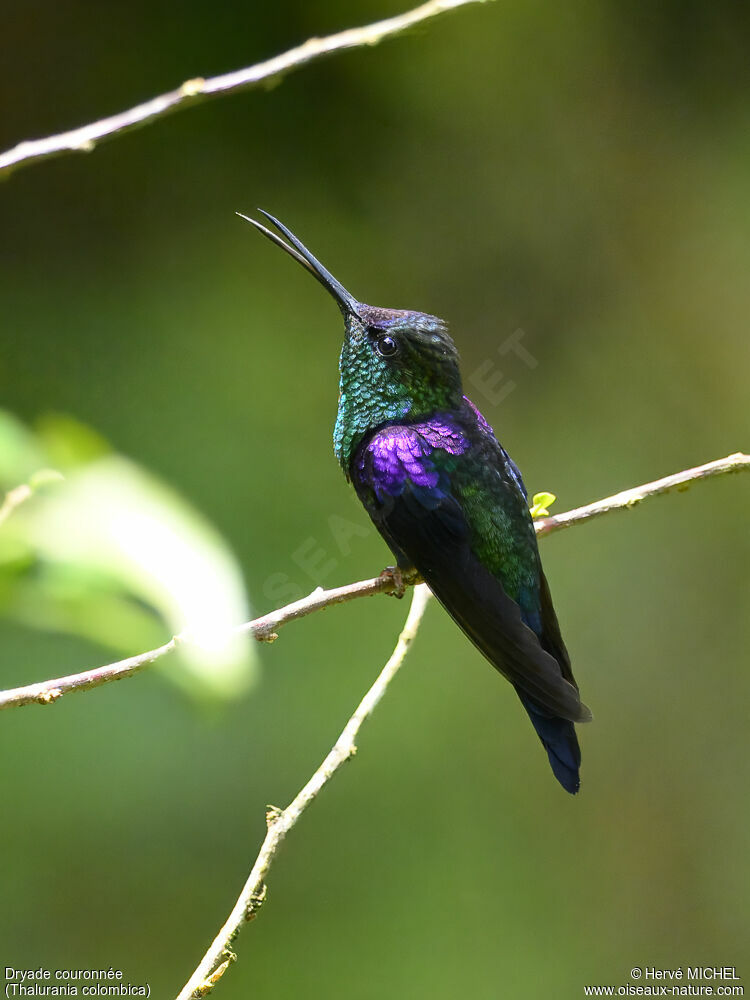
(580, 171)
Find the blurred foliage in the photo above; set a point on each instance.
(578, 171)
(106, 552)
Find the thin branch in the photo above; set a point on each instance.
(86, 138)
(219, 955)
(265, 628)
(280, 821)
(631, 498)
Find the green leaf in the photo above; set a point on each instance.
(44, 477)
(21, 453)
(540, 502)
(112, 554)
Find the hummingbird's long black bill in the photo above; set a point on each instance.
(346, 302)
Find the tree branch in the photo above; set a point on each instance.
(265, 628)
(86, 138)
(630, 498)
(217, 959)
(219, 956)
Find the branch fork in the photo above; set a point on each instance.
(219, 956)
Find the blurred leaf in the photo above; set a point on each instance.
(69, 442)
(44, 477)
(113, 555)
(21, 454)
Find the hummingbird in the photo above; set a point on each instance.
(448, 499)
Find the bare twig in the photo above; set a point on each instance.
(86, 138)
(219, 956)
(280, 821)
(631, 498)
(264, 629)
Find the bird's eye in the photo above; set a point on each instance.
(386, 346)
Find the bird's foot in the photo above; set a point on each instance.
(401, 579)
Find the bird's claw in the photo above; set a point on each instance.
(401, 579)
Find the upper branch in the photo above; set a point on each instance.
(264, 628)
(86, 138)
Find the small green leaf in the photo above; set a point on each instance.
(540, 502)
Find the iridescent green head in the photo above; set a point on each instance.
(395, 363)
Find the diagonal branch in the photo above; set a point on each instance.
(630, 498)
(264, 628)
(86, 138)
(217, 959)
(219, 955)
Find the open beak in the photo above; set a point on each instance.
(346, 302)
